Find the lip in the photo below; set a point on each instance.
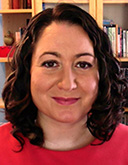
(65, 101)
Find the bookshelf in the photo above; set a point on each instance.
(5, 9)
(13, 19)
(116, 10)
(9, 11)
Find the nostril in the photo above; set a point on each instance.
(67, 79)
(67, 84)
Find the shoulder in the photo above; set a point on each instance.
(7, 141)
(6, 126)
(120, 135)
(5, 130)
(122, 129)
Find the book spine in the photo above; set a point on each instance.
(110, 35)
(124, 43)
(113, 29)
(16, 4)
(28, 4)
(43, 6)
(121, 42)
(21, 4)
(17, 37)
(10, 4)
(25, 4)
(116, 40)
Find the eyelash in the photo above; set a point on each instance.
(54, 64)
(50, 64)
(83, 65)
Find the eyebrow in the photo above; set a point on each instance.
(84, 54)
(59, 55)
(50, 53)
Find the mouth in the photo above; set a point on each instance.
(65, 101)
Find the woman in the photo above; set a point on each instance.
(63, 98)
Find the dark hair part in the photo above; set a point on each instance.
(106, 111)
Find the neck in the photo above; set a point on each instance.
(64, 136)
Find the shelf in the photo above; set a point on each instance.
(5, 59)
(123, 59)
(66, 1)
(115, 1)
(13, 11)
(1, 103)
(126, 109)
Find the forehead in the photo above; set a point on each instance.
(64, 38)
(64, 28)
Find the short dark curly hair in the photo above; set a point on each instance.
(106, 111)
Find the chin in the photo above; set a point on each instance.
(68, 118)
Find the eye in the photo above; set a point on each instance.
(83, 65)
(50, 64)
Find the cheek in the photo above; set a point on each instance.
(37, 81)
(90, 84)
(41, 82)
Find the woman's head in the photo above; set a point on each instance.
(105, 112)
(64, 74)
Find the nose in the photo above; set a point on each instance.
(67, 81)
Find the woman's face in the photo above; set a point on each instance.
(64, 73)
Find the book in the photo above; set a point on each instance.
(108, 22)
(115, 34)
(17, 37)
(124, 43)
(25, 4)
(16, 4)
(43, 6)
(29, 4)
(10, 4)
(114, 40)
(112, 31)
(119, 54)
(21, 4)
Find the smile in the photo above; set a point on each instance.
(65, 101)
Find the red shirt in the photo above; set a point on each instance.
(113, 152)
